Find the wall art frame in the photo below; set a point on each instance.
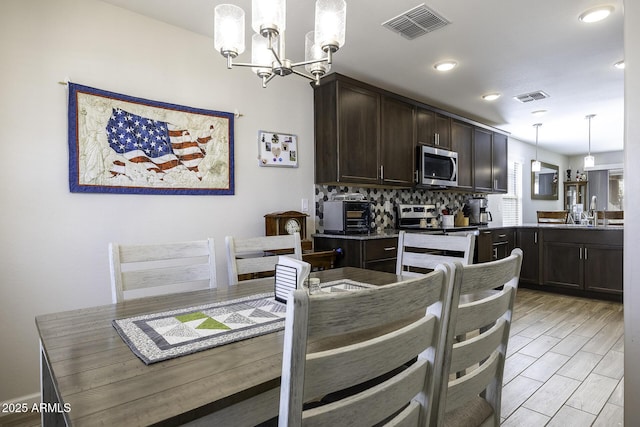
(277, 149)
(128, 145)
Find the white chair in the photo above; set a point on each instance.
(473, 397)
(358, 344)
(145, 270)
(256, 257)
(421, 252)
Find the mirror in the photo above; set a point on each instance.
(544, 184)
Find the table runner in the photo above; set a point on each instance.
(161, 336)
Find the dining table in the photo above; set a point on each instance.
(90, 376)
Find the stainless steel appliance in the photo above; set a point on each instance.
(437, 167)
(416, 216)
(478, 213)
(347, 216)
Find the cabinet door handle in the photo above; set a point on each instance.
(390, 248)
(586, 254)
(436, 139)
(580, 253)
(535, 237)
(381, 172)
(502, 235)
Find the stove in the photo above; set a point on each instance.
(416, 217)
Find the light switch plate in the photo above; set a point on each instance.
(305, 205)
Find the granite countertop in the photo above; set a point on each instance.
(392, 232)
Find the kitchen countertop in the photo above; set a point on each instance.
(392, 232)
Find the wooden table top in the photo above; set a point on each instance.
(98, 375)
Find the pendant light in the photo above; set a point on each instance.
(589, 160)
(536, 166)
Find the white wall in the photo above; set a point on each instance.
(523, 153)
(53, 245)
(632, 205)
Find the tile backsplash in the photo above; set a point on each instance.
(385, 199)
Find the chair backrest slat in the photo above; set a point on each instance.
(420, 252)
(254, 255)
(151, 269)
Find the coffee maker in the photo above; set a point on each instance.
(478, 213)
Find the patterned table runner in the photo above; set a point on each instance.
(161, 336)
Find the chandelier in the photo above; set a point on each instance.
(268, 57)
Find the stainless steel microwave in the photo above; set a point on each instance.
(437, 167)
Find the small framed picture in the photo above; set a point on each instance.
(277, 149)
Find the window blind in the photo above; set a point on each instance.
(512, 201)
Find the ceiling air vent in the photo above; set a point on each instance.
(531, 96)
(416, 22)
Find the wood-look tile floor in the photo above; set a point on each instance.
(564, 365)
(564, 362)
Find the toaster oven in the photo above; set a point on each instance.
(347, 217)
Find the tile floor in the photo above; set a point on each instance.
(564, 363)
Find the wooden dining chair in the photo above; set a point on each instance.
(475, 365)
(420, 252)
(152, 269)
(553, 217)
(610, 218)
(357, 344)
(255, 257)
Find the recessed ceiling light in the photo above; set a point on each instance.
(596, 14)
(491, 96)
(445, 65)
(539, 112)
(619, 65)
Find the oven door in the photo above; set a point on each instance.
(438, 167)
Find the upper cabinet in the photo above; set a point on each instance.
(397, 153)
(368, 136)
(433, 128)
(490, 170)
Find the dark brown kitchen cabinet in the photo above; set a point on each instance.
(362, 136)
(528, 240)
(378, 254)
(490, 161)
(462, 143)
(499, 165)
(347, 133)
(495, 244)
(397, 153)
(590, 260)
(482, 160)
(433, 128)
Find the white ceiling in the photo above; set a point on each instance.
(507, 46)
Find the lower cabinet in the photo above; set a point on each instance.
(495, 244)
(586, 260)
(378, 254)
(527, 239)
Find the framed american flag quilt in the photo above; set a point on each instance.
(122, 144)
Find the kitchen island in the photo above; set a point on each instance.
(572, 259)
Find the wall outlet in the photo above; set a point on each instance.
(305, 205)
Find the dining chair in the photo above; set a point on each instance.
(553, 217)
(153, 269)
(255, 257)
(419, 253)
(383, 344)
(610, 218)
(474, 366)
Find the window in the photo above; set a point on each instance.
(512, 201)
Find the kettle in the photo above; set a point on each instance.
(485, 217)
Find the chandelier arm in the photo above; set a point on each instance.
(249, 64)
(311, 61)
(306, 76)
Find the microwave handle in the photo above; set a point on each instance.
(455, 168)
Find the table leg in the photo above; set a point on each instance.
(49, 395)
